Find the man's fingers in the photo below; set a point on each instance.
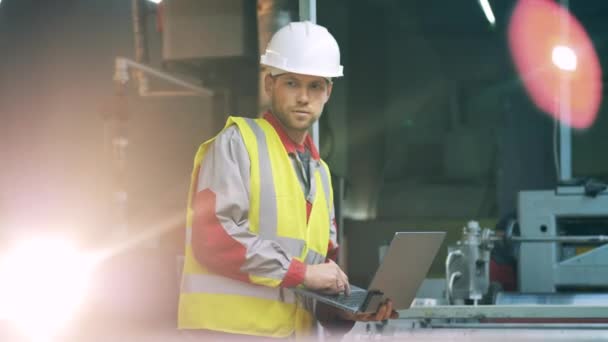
(341, 279)
(335, 280)
(340, 286)
(381, 312)
(364, 317)
(389, 309)
(384, 312)
(344, 279)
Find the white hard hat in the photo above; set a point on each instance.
(303, 48)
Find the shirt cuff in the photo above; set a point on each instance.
(295, 274)
(332, 252)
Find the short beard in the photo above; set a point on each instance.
(280, 115)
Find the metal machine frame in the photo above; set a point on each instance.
(542, 267)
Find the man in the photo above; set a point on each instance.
(260, 214)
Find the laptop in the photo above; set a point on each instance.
(398, 277)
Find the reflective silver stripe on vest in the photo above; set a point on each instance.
(313, 181)
(313, 258)
(307, 303)
(326, 182)
(268, 210)
(212, 284)
(294, 246)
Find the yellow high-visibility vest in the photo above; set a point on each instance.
(277, 211)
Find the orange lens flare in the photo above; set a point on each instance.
(557, 62)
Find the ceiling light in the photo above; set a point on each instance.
(487, 10)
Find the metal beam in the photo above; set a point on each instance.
(504, 311)
(561, 326)
(565, 148)
(122, 75)
(565, 115)
(308, 12)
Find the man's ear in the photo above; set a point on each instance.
(330, 86)
(268, 83)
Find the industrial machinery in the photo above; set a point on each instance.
(562, 247)
(467, 265)
(560, 243)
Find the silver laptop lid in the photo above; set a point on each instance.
(405, 266)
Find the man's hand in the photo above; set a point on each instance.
(327, 277)
(384, 312)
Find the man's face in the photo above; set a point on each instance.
(297, 100)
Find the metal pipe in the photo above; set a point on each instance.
(117, 141)
(580, 299)
(565, 147)
(308, 11)
(166, 93)
(138, 16)
(451, 281)
(565, 115)
(139, 31)
(573, 238)
(593, 326)
(449, 278)
(122, 75)
(588, 312)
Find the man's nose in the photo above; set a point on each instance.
(302, 96)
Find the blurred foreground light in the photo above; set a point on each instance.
(154, 1)
(543, 35)
(564, 58)
(42, 283)
(487, 10)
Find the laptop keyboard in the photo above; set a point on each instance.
(355, 299)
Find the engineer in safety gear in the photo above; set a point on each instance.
(260, 214)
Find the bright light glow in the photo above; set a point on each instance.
(487, 10)
(154, 1)
(42, 282)
(574, 83)
(564, 58)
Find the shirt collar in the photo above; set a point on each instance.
(290, 146)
